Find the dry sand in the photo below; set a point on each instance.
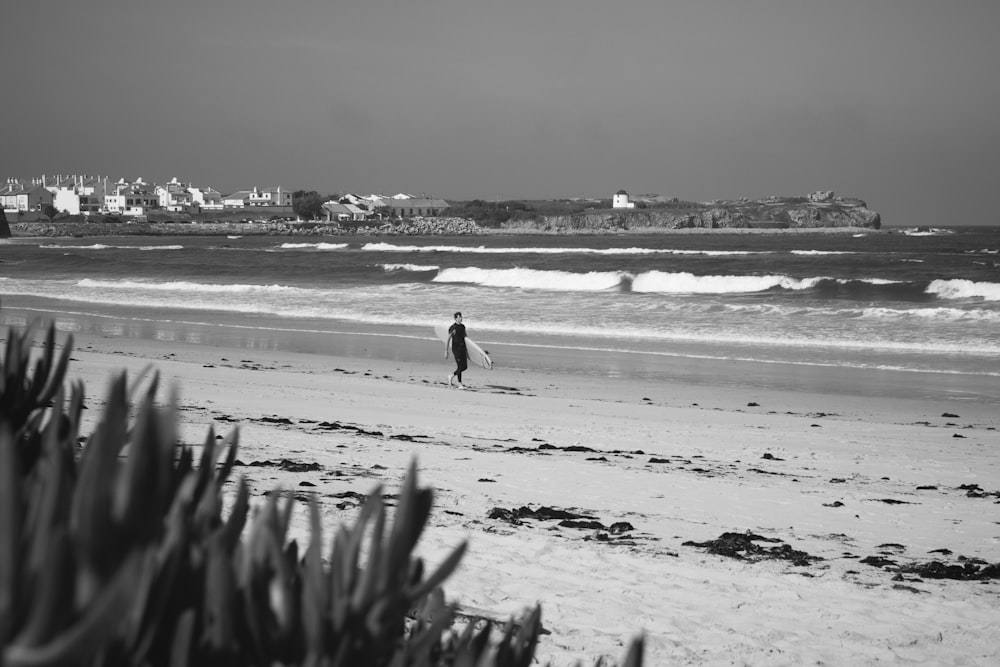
(839, 478)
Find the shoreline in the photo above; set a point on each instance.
(98, 230)
(839, 478)
(561, 357)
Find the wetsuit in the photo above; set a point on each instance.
(457, 332)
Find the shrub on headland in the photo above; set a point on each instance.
(115, 550)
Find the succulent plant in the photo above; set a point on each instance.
(121, 553)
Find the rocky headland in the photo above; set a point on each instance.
(817, 211)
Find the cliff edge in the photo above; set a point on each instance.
(818, 210)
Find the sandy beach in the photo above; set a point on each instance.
(638, 473)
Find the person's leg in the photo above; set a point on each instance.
(462, 363)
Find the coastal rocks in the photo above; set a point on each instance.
(416, 227)
(423, 227)
(819, 210)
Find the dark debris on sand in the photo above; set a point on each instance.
(742, 546)
(284, 464)
(545, 448)
(338, 426)
(566, 519)
(966, 569)
(516, 516)
(975, 491)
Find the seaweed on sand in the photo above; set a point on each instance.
(743, 547)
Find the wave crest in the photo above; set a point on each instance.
(102, 246)
(181, 285)
(312, 246)
(415, 268)
(483, 250)
(688, 283)
(593, 281)
(964, 289)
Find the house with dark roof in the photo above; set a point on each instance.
(16, 196)
(336, 211)
(415, 207)
(238, 199)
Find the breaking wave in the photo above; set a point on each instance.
(415, 268)
(312, 246)
(669, 282)
(534, 279)
(964, 289)
(483, 250)
(823, 252)
(185, 286)
(688, 283)
(102, 246)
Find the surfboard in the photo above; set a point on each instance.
(477, 355)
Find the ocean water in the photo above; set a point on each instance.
(917, 313)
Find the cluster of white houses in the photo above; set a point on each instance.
(87, 195)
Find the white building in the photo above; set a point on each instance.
(270, 197)
(238, 199)
(16, 197)
(209, 198)
(77, 194)
(620, 200)
(133, 199)
(174, 196)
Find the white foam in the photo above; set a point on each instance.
(823, 252)
(312, 246)
(184, 286)
(936, 314)
(870, 281)
(933, 231)
(688, 283)
(964, 289)
(101, 246)
(390, 247)
(533, 279)
(416, 268)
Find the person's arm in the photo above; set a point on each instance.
(447, 343)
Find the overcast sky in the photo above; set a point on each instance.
(893, 101)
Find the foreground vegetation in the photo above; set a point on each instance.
(115, 550)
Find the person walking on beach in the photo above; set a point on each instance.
(456, 343)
